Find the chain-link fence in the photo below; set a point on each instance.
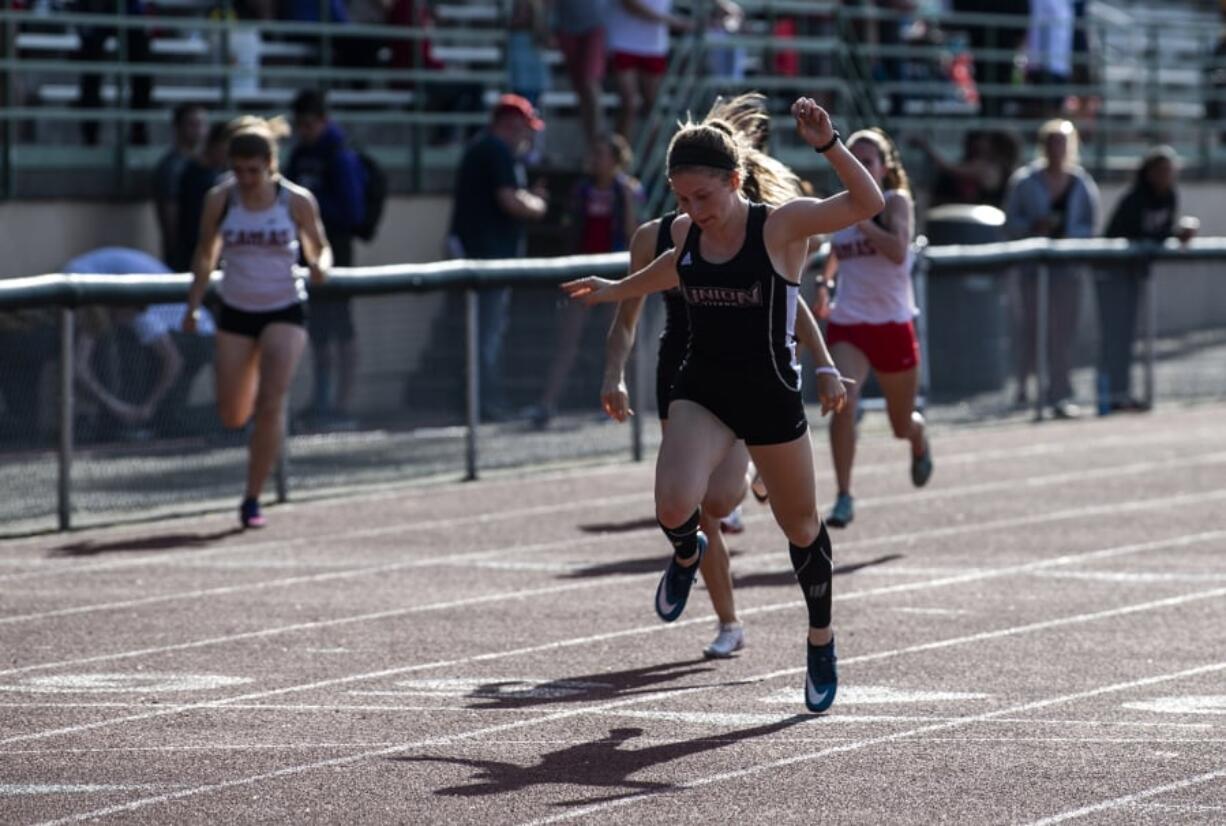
(139, 435)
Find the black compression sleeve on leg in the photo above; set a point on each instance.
(684, 537)
(814, 571)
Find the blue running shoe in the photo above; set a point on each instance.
(843, 512)
(674, 587)
(821, 677)
(921, 467)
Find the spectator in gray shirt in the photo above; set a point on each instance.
(1052, 197)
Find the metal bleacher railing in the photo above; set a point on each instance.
(175, 471)
(1145, 76)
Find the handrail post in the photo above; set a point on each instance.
(1042, 323)
(1151, 333)
(638, 386)
(472, 375)
(66, 413)
(282, 472)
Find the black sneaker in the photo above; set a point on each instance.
(675, 584)
(821, 677)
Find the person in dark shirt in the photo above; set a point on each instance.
(492, 204)
(323, 163)
(199, 176)
(1146, 212)
(190, 121)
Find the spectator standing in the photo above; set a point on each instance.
(527, 37)
(638, 39)
(1049, 48)
(981, 176)
(93, 49)
(605, 204)
(1146, 212)
(1052, 197)
(156, 363)
(580, 29)
(492, 205)
(322, 162)
(189, 124)
(199, 176)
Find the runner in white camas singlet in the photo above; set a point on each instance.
(254, 222)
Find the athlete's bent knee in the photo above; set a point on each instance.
(674, 510)
(801, 530)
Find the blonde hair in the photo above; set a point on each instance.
(895, 175)
(255, 137)
(1060, 126)
(733, 134)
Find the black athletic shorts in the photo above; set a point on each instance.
(243, 323)
(759, 409)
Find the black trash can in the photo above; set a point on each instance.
(967, 313)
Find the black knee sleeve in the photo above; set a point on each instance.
(684, 537)
(814, 571)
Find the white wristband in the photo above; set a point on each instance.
(833, 371)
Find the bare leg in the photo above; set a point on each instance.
(725, 490)
(236, 371)
(280, 348)
(566, 349)
(853, 364)
(628, 92)
(906, 422)
(695, 443)
(788, 471)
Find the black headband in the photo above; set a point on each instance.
(685, 155)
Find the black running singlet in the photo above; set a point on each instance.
(742, 313)
(676, 335)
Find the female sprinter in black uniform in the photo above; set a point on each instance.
(768, 181)
(739, 266)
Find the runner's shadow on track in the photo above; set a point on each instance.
(160, 542)
(604, 763)
(603, 686)
(644, 565)
(778, 579)
(620, 527)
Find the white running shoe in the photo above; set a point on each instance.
(730, 639)
(732, 523)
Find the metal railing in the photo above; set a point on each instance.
(66, 292)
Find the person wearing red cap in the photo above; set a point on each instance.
(492, 204)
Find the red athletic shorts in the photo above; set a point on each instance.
(891, 348)
(645, 63)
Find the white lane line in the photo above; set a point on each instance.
(70, 566)
(441, 560)
(16, 789)
(331, 708)
(451, 560)
(725, 777)
(1137, 577)
(289, 771)
(349, 536)
(1068, 559)
(1120, 802)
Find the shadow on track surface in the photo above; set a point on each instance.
(158, 542)
(786, 578)
(643, 565)
(603, 763)
(604, 685)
